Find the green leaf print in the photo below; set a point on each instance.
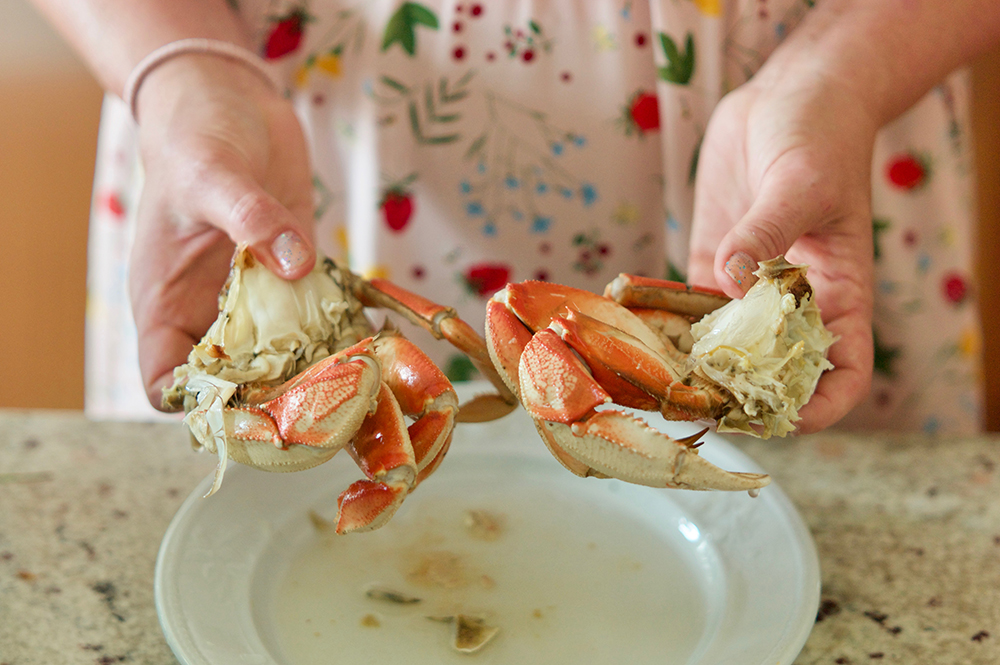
(394, 84)
(460, 368)
(879, 226)
(885, 357)
(402, 26)
(426, 106)
(674, 274)
(476, 147)
(693, 168)
(421, 136)
(680, 66)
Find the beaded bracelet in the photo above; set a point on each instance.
(193, 45)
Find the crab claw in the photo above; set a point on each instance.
(382, 450)
(621, 446)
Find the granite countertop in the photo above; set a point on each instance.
(907, 529)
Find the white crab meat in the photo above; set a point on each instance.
(768, 349)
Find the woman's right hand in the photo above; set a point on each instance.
(225, 162)
(784, 168)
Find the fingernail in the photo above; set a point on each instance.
(290, 251)
(741, 268)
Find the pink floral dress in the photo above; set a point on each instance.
(460, 145)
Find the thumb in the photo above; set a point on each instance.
(768, 229)
(278, 237)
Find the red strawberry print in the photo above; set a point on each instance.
(954, 287)
(645, 111)
(113, 203)
(485, 279)
(397, 208)
(907, 171)
(286, 35)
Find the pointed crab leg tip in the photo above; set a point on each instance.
(692, 441)
(695, 472)
(367, 505)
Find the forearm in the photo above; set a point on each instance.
(886, 53)
(112, 36)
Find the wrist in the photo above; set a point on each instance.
(197, 64)
(839, 80)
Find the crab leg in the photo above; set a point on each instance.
(537, 303)
(506, 338)
(624, 447)
(383, 452)
(423, 392)
(694, 301)
(443, 323)
(396, 458)
(673, 329)
(632, 373)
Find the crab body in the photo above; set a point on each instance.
(293, 372)
(567, 353)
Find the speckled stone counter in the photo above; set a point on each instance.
(907, 528)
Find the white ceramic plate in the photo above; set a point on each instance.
(586, 570)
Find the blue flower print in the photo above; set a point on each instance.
(540, 224)
(511, 171)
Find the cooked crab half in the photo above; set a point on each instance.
(749, 364)
(292, 372)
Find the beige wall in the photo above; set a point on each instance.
(47, 137)
(48, 127)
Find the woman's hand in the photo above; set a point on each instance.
(225, 162)
(784, 168)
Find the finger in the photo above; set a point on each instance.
(770, 227)
(845, 386)
(231, 199)
(162, 349)
(710, 223)
(722, 193)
